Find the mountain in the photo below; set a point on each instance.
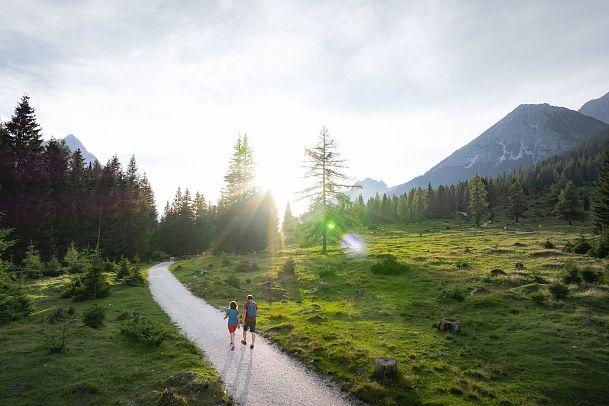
(597, 108)
(74, 143)
(526, 136)
(369, 188)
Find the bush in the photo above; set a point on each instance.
(462, 264)
(590, 275)
(94, 316)
(233, 281)
(548, 245)
(92, 284)
(388, 265)
(601, 248)
(53, 267)
(135, 277)
(581, 246)
(123, 268)
(538, 298)
(14, 303)
(110, 267)
(289, 267)
(75, 261)
(145, 331)
(559, 291)
(57, 323)
(571, 274)
(247, 266)
(32, 265)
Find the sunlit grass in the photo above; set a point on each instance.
(336, 315)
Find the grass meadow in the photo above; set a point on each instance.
(100, 366)
(518, 346)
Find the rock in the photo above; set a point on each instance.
(385, 367)
(497, 272)
(448, 324)
(479, 290)
(519, 266)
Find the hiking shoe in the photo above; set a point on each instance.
(252, 347)
(232, 348)
(243, 342)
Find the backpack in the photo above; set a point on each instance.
(251, 310)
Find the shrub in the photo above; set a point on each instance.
(289, 266)
(559, 291)
(14, 303)
(32, 265)
(456, 294)
(548, 245)
(75, 261)
(538, 298)
(247, 266)
(462, 264)
(233, 281)
(94, 316)
(601, 248)
(53, 267)
(590, 275)
(135, 277)
(145, 331)
(568, 247)
(57, 322)
(92, 284)
(123, 268)
(581, 246)
(571, 274)
(110, 267)
(388, 265)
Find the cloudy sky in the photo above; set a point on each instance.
(399, 84)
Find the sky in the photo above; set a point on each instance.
(399, 84)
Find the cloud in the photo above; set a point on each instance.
(399, 84)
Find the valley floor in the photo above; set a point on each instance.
(518, 345)
(100, 366)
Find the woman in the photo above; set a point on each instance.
(232, 313)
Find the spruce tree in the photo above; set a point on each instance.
(517, 201)
(569, 206)
(601, 195)
(478, 203)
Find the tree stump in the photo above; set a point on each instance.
(451, 325)
(519, 266)
(385, 367)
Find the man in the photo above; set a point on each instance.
(250, 309)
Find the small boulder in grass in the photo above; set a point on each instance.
(449, 325)
(478, 290)
(497, 272)
(519, 266)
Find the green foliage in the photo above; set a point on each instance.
(91, 284)
(15, 304)
(135, 277)
(582, 246)
(388, 265)
(124, 267)
(589, 275)
(601, 195)
(559, 291)
(94, 316)
(517, 201)
(538, 298)
(247, 266)
(547, 244)
(289, 266)
(75, 261)
(32, 264)
(571, 275)
(145, 331)
(462, 264)
(57, 324)
(53, 267)
(478, 202)
(601, 248)
(569, 206)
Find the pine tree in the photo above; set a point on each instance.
(288, 226)
(517, 201)
(240, 174)
(478, 203)
(569, 206)
(325, 167)
(601, 195)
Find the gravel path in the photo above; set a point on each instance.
(262, 376)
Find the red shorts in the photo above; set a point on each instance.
(232, 327)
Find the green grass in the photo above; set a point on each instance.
(100, 366)
(518, 345)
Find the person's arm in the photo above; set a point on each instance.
(225, 315)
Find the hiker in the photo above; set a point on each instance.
(232, 313)
(250, 309)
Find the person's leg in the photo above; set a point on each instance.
(253, 338)
(244, 341)
(232, 339)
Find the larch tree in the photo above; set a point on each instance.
(325, 168)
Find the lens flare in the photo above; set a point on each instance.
(353, 244)
(331, 225)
